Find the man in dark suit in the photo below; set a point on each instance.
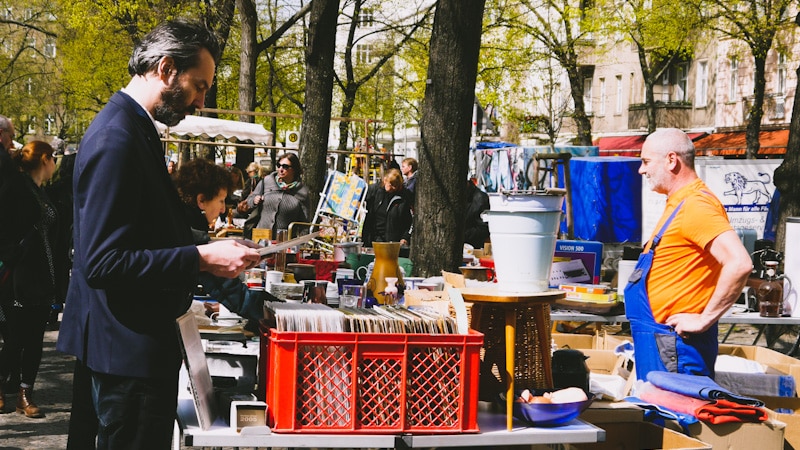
(135, 264)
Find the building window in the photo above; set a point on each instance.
(781, 88)
(618, 106)
(682, 86)
(363, 53)
(701, 85)
(366, 18)
(587, 95)
(734, 80)
(665, 87)
(30, 42)
(632, 93)
(602, 110)
(50, 47)
(49, 124)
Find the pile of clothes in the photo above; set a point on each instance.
(692, 398)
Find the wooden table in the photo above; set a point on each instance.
(511, 301)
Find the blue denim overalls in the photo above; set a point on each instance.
(657, 346)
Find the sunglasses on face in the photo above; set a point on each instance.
(284, 166)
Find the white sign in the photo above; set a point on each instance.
(744, 187)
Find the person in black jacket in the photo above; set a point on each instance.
(476, 231)
(33, 283)
(388, 206)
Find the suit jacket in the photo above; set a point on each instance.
(135, 265)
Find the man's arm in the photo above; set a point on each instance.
(736, 267)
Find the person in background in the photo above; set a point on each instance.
(283, 196)
(691, 271)
(388, 206)
(33, 282)
(251, 215)
(131, 280)
(409, 169)
(203, 187)
(17, 202)
(60, 192)
(7, 197)
(253, 172)
(476, 231)
(171, 167)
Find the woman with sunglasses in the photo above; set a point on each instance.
(281, 195)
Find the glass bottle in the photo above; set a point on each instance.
(770, 293)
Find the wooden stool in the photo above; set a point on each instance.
(534, 342)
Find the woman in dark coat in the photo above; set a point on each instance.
(33, 285)
(388, 206)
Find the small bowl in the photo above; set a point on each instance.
(302, 272)
(549, 414)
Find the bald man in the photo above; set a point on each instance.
(691, 271)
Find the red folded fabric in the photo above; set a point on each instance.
(670, 400)
(726, 411)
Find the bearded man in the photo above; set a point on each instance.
(692, 269)
(135, 262)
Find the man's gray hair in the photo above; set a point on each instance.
(674, 140)
(180, 39)
(5, 123)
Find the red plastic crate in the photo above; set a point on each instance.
(371, 383)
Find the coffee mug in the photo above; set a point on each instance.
(274, 276)
(254, 278)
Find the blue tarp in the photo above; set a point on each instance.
(606, 198)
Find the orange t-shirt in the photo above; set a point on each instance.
(684, 274)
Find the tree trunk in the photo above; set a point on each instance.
(247, 59)
(650, 104)
(437, 241)
(219, 18)
(757, 108)
(785, 178)
(319, 91)
(582, 122)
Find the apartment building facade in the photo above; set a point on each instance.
(708, 96)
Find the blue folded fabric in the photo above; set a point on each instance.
(658, 414)
(697, 386)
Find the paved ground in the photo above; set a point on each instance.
(54, 393)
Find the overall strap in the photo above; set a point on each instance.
(663, 229)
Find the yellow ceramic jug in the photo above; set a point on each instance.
(386, 265)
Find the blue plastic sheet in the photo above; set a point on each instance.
(606, 198)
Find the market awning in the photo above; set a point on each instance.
(630, 145)
(620, 145)
(773, 142)
(208, 127)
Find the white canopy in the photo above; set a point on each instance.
(207, 127)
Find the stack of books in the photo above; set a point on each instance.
(593, 293)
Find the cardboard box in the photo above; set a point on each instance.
(774, 382)
(576, 262)
(601, 411)
(575, 341)
(786, 410)
(778, 361)
(763, 436)
(640, 435)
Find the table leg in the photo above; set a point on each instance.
(543, 337)
(511, 334)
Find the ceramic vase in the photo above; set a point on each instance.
(386, 265)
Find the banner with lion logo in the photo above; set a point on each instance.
(744, 187)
